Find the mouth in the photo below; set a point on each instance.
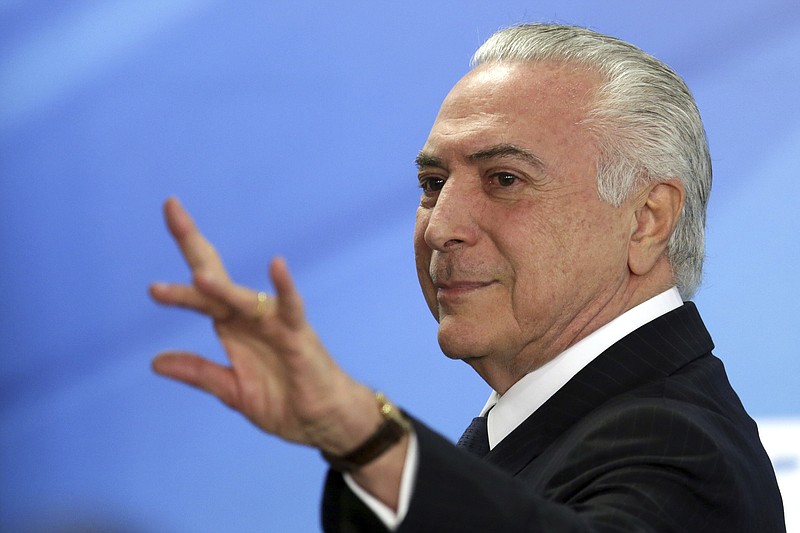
(456, 290)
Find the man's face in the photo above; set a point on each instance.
(515, 252)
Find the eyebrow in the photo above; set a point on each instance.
(507, 150)
(426, 159)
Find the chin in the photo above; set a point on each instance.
(461, 342)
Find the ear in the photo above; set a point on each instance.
(657, 209)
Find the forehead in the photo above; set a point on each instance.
(519, 103)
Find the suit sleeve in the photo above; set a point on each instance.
(447, 483)
(643, 467)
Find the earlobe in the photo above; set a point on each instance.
(658, 208)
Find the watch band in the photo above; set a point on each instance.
(394, 426)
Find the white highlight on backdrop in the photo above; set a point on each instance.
(781, 438)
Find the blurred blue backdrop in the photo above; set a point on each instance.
(291, 128)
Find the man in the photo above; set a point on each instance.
(564, 186)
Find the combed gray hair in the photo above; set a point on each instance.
(644, 118)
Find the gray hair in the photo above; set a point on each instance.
(644, 118)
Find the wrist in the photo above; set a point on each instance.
(393, 427)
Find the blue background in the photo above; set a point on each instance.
(290, 128)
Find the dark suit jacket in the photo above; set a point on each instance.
(649, 436)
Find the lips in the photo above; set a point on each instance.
(457, 289)
(454, 280)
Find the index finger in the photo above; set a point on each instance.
(290, 303)
(200, 255)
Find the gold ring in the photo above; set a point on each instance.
(261, 306)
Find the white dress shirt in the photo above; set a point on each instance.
(529, 393)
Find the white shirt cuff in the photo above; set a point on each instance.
(390, 518)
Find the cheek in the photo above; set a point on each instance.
(428, 290)
(420, 225)
(422, 257)
(422, 252)
(552, 251)
(594, 253)
(534, 242)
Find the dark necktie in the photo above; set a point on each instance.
(476, 438)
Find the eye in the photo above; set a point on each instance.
(431, 184)
(504, 179)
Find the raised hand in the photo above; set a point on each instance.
(280, 375)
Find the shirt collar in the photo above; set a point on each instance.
(529, 393)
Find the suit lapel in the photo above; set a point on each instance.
(653, 351)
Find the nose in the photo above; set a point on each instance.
(451, 221)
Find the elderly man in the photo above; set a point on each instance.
(560, 228)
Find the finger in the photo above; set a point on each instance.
(188, 297)
(237, 298)
(201, 373)
(290, 303)
(198, 252)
